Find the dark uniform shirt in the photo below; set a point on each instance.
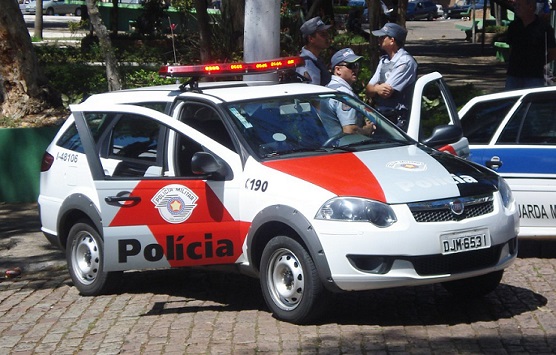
(528, 48)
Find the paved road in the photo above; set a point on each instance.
(202, 312)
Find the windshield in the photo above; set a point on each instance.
(293, 125)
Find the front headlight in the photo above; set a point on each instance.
(357, 210)
(505, 192)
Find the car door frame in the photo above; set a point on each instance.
(121, 241)
(460, 147)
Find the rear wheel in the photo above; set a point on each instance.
(290, 283)
(475, 286)
(78, 12)
(50, 11)
(84, 255)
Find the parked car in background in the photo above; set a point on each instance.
(440, 11)
(22, 4)
(514, 133)
(462, 8)
(421, 9)
(56, 7)
(457, 10)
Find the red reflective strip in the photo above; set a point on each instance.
(341, 174)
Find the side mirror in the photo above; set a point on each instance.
(444, 134)
(204, 163)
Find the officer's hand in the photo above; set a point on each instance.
(385, 90)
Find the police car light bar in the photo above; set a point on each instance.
(266, 66)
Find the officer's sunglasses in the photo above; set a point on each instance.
(350, 66)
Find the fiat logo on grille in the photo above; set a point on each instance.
(457, 207)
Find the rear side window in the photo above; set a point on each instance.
(70, 140)
(533, 123)
(482, 120)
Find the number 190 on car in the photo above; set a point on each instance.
(460, 242)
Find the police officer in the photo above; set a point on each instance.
(391, 86)
(317, 39)
(343, 118)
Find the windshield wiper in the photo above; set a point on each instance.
(308, 150)
(374, 139)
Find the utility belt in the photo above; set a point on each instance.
(398, 115)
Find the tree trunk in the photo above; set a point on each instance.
(112, 73)
(24, 89)
(233, 17)
(402, 11)
(204, 29)
(114, 14)
(38, 21)
(375, 12)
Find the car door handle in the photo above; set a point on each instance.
(127, 201)
(494, 163)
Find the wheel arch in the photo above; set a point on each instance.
(74, 208)
(285, 220)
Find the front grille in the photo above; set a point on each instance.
(441, 211)
(456, 263)
(437, 264)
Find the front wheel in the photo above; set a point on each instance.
(50, 11)
(84, 255)
(477, 286)
(290, 283)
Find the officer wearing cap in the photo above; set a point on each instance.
(340, 118)
(316, 37)
(391, 86)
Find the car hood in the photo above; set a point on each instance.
(393, 175)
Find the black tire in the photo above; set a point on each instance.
(84, 255)
(476, 286)
(50, 11)
(290, 283)
(78, 12)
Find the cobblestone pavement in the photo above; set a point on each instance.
(206, 312)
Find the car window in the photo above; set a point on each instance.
(206, 120)
(71, 140)
(533, 123)
(434, 111)
(288, 125)
(482, 120)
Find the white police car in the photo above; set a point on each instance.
(514, 133)
(245, 174)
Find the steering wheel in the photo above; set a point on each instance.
(334, 138)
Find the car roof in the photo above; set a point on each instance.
(502, 95)
(227, 91)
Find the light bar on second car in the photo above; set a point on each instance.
(265, 66)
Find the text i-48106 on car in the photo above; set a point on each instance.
(245, 174)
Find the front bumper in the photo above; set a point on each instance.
(410, 253)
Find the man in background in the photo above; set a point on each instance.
(317, 39)
(532, 47)
(391, 86)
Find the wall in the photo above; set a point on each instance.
(22, 150)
